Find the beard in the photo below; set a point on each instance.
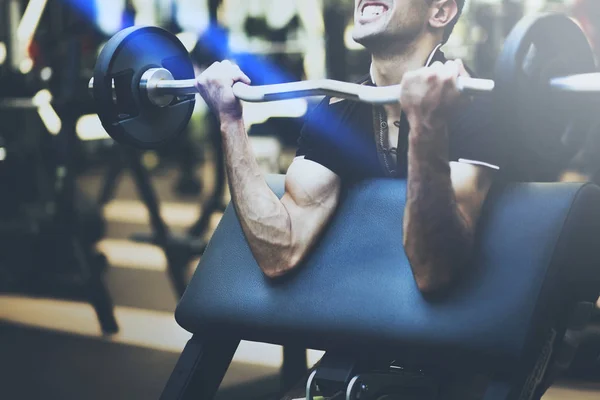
(387, 40)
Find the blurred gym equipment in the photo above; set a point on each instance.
(49, 227)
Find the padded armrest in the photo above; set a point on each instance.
(537, 250)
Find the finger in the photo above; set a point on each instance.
(208, 73)
(231, 70)
(450, 72)
(242, 76)
(202, 79)
(437, 66)
(452, 67)
(234, 75)
(214, 67)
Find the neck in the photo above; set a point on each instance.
(388, 68)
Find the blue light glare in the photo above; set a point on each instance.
(110, 16)
(85, 8)
(330, 126)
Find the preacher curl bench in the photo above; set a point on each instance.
(534, 280)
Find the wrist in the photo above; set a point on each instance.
(426, 124)
(230, 125)
(426, 143)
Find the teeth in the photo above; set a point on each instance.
(372, 11)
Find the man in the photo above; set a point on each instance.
(445, 189)
(438, 141)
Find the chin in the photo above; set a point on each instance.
(366, 38)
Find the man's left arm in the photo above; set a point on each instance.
(443, 205)
(444, 199)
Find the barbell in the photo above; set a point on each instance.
(144, 85)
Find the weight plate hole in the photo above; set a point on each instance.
(125, 102)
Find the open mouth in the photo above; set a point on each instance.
(371, 10)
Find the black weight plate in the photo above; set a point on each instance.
(536, 120)
(125, 114)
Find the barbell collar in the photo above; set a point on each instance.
(149, 83)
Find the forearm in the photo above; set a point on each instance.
(437, 238)
(263, 217)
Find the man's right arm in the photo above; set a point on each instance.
(280, 232)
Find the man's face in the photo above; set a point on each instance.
(379, 21)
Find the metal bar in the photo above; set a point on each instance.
(181, 87)
(474, 86)
(14, 52)
(583, 83)
(18, 103)
(324, 87)
(200, 368)
(351, 91)
(256, 94)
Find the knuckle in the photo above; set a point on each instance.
(409, 79)
(432, 77)
(213, 81)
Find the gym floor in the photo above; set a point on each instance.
(53, 349)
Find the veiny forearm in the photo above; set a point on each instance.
(263, 217)
(437, 238)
